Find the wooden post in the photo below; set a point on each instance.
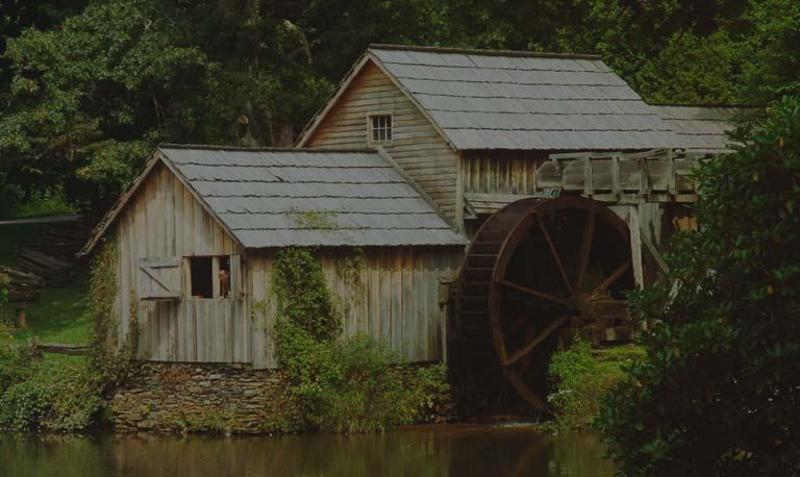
(22, 319)
(636, 245)
(615, 180)
(644, 185)
(588, 185)
(671, 174)
(215, 277)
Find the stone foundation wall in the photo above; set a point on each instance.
(191, 397)
(186, 397)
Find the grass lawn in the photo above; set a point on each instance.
(62, 314)
(40, 205)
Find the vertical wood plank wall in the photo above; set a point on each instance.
(416, 146)
(499, 172)
(164, 220)
(396, 301)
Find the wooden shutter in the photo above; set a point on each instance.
(237, 284)
(159, 278)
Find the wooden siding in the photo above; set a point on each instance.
(499, 172)
(416, 146)
(164, 220)
(396, 299)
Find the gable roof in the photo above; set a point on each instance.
(313, 197)
(703, 128)
(484, 99)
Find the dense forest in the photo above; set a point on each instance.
(87, 87)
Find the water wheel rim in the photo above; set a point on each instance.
(537, 210)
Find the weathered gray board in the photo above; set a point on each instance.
(651, 176)
(416, 145)
(396, 299)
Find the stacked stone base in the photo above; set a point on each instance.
(220, 398)
(182, 397)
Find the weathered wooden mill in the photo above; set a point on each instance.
(543, 269)
(560, 178)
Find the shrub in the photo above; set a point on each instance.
(581, 377)
(12, 369)
(66, 393)
(55, 395)
(22, 406)
(340, 384)
(719, 390)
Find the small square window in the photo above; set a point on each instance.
(380, 128)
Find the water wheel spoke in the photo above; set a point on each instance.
(536, 341)
(525, 391)
(553, 251)
(611, 278)
(532, 292)
(586, 247)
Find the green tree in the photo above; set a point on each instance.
(719, 389)
(773, 48)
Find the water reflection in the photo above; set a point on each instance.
(455, 450)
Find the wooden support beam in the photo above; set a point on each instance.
(636, 245)
(588, 183)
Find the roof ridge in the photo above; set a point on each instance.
(484, 52)
(213, 147)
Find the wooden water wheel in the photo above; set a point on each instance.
(537, 270)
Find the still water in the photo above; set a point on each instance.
(451, 450)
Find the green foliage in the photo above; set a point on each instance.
(112, 362)
(302, 295)
(4, 282)
(35, 393)
(313, 219)
(42, 203)
(343, 385)
(65, 393)
(89, 90)
(718, 391)
(581, 377)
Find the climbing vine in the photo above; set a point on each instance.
(302, 295)
(349, 268)
(340, 384)
(112, 362)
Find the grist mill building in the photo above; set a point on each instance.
(498, 198)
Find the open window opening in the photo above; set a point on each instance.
(213, 276)
(201, 269)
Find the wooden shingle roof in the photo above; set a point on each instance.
(483, 99)
(305, 197)
(703, 128)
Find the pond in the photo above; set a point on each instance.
(448, 450)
